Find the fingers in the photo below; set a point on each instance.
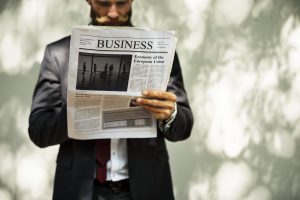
(158, 112)
(156, 94)
(155, 103)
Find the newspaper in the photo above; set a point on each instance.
(109, 67)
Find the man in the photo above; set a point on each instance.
(137, 169)
(111, 69)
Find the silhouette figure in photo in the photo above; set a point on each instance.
(83, 71)
(124, 77)
(105, 68)
(111, 69)
(94, 75)
(105, 75)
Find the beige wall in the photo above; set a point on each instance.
(240, 60)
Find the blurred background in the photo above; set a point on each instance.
(240, 60)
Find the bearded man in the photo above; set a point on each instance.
(136, 169)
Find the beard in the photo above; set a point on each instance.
(105, 21)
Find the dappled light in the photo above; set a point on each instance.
(246, 102)
(232, 12)
(241, 67)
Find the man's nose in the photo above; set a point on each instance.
(113, 12)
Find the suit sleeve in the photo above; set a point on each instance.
(48, 117)
(182, 125)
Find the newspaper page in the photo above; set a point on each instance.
(109, 67)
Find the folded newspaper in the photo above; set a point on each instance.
(109, 67)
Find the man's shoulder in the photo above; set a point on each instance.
(61, 44)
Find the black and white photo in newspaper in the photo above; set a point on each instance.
(103, 72)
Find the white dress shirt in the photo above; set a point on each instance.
(117, 168)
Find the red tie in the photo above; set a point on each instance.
(102, 155)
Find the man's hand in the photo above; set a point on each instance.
(161, 104)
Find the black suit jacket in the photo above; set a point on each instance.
(148, 164)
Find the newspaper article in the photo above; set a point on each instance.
(108, 69)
